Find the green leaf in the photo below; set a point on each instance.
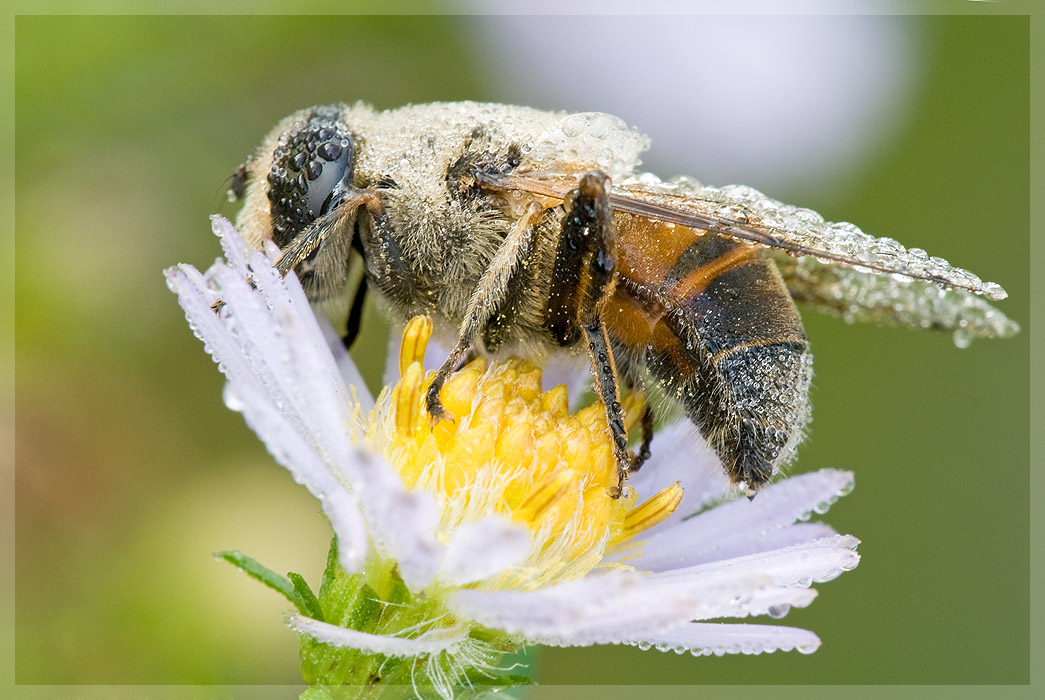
(331, 569)
(270, 578)
(307, 596)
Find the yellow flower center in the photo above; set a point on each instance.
(514, 450)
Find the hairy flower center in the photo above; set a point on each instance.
(517, 451)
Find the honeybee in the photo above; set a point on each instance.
(530, 230)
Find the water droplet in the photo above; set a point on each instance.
(232, 398)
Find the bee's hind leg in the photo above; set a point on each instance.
(583, 279)
(604, 369)
(493, 288)
(643, 453)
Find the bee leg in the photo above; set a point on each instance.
(604, 370)
(333, 222)
(646, 426)
(355, 314)
(493, 287)
(582, 280)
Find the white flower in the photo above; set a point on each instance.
(497, 528)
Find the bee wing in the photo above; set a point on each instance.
(834, 266)
(857, 295)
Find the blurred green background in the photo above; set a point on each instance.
(130, 471)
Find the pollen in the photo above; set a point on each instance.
(513, 449)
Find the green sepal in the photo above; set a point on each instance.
(330, 571)
(307, 597)
(280, 584)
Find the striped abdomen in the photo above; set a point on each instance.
(716, 328)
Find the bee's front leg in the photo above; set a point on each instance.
(334, 222)
(493, 288)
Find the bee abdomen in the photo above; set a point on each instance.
(722, 336)
(759, 412)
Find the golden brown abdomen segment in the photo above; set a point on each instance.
(715, 327)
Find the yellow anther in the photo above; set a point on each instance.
(556, 401)
(593, 417)
(415, 341)
(471, 449)
(516, 451)
(406, 397)
(653, 511)
(457, 394)
(547, 450)
(478, 365)
(575, 447)
(544, 495)
(515, 446)
(528, 383)
(633, 406)
(603, 463)
(491, 403)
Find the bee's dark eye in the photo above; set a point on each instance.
(311, 172)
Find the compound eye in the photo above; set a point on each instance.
(311, 171)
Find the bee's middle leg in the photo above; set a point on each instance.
(355, 314)
(493, 288)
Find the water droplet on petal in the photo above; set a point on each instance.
(232, 398)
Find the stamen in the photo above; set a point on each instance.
(459, 391)
(415, 341)
(545, 495)
(515, 451)
(653, 511)
(633, 405)
(405, 396)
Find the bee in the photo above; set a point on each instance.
(529, 230)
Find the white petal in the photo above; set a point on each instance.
(546, 609)
(798, 565)
(483, 548)
(402, 523)
(680, 454)
(596, 609)
(706, 638)
(745, 589)
(776, 539)
(347, 522)
(252, 384)
(294, 397)
(287, 357)
(343, 361)
(232, 244)
(735, 525)
(774, 601)
(431, 642)
(290, 450)
(301, 359)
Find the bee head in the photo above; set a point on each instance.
(311, 171)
